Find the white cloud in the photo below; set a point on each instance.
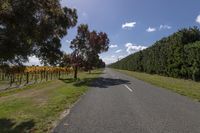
(132, 48)
(33, 60)
(68, 41)
(151, 29)
(121, 57)
(128, 25)
(164, 27)
(112, 59)
(108, 60)
(113, 46)
(118, 51)
(198, 19)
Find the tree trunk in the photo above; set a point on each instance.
(11, 79)
(41, 76)
(3, 74)
(75, 72)
(51, 76)
(20, 79)
(46, 75)
(27, 78)
(59, 75)
(89, 71)
(35, 77)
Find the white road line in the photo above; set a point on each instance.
(128, 88)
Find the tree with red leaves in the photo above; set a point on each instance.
(86, 48)
(98, 43)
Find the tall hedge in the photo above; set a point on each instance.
(192, 60)
(176, 56)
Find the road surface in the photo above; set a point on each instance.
(117, 103)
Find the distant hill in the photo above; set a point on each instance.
(177, 55)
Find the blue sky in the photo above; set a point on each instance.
(132, 25)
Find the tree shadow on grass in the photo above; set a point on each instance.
(101, 82)
(96, 73)
(10, 126)
(69, 80)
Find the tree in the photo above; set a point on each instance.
(66, 60)
(176, 56)
(33, 27)
(86, 48)
(100, 64)
(98, 43)
(78, 45)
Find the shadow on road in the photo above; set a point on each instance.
(10, 126)
(106, 82)
(101, 82)
(99, 73)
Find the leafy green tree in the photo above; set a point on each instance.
(174, 56)
(193, 60)
(33, 27)
(100, 64)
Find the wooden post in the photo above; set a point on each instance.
(46, 75)
(27, 77)
(11, 79)
(20, 80)
(51, 75)
(59, 74)
(35, 76)
(75, 72)
(41, 75)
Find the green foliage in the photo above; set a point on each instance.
(193, 60)
(86, 48)
(175, 56)
(33, 27)
(65, 61)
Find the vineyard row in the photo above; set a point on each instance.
(19, 75)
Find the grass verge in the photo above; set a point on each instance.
(35, 108)
(184, 87)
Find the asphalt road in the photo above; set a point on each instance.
(117, 103)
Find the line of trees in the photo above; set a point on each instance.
(36, 27)
(176, 56)
(19, 75)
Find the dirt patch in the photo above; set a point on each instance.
(38, 93)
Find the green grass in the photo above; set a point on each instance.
(35, 108)
(4, 84)
(184, 87)
(16, 90)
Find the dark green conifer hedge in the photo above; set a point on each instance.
(176, 56)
